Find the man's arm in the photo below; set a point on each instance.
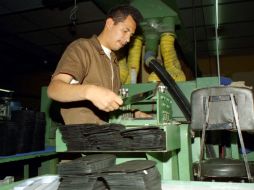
(61, 90)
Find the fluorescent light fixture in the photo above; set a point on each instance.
(4, 90)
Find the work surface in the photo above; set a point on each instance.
(196, 185)
(176, 185)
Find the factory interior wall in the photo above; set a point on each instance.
(28, 89)
(236, 67)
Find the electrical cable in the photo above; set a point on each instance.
(73, 13)
(170, 83)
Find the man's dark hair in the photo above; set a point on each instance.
(120, 12)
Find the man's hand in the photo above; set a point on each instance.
(103, 98)
(61, 90)
(140, 114)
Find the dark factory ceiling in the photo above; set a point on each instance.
(34, 33)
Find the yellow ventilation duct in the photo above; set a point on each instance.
(170, 58)
(124, 70)
(133, 60)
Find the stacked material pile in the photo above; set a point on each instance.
(92, 136)
(38, 140)
(112, 137)
(26, 121)
(134, 175)
(8, 137)
(99, 172)
(84, 172)
(25, 132)
(145, 138)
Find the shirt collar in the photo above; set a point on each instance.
(97, 45)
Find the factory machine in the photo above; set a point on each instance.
(177, 159)
(174, 157)
(166, 96)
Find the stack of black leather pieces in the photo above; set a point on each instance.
(134, 175)
(112, 137)
(92, 137)
(38, 139)
(25, 132)
(99, 172)
(145, 138)
(25, 120)
(84, 173)
(8, 137)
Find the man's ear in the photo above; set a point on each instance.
(109, 23)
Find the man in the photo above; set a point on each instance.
(87, 77)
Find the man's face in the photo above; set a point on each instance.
(121, 32)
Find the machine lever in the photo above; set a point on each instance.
(137, 97)
(171, 85)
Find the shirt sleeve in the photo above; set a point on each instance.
(73, 62)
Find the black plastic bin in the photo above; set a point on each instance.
(8, 138)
